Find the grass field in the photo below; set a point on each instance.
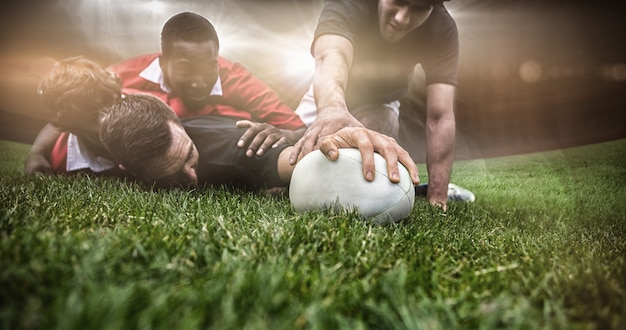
(543, 247)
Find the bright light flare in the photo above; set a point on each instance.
(300, 66)
(156, 7)
(530, 71)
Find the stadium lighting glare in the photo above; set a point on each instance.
(156, 6)
(300, 65)
(278, 51)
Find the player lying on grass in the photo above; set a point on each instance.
(79, 91)
(191, 77)
(146, 138)
(75, 90)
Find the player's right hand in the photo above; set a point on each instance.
(326, 123)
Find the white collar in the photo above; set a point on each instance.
(79, 157)
(153, 73)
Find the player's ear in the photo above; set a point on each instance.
(162, 62)
(124, 169)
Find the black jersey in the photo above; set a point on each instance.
(222, 162)
(380, 70)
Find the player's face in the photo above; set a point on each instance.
(399, 17)
(177, 167)
(191, 70)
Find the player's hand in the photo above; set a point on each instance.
(259, 137)
(368, 142)
(325, 124)
(36, 163)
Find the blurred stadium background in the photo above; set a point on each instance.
(534, 75)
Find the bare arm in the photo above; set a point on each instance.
(440, 135)
(37, 160)
(333, 59)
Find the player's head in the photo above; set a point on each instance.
(189, 59)
(76, 90)
(187, 26)
(396, 18)
(145, 137)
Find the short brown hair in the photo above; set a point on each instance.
(76, 87)
(135, 130)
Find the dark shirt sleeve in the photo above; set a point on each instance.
(441, 61)
(222, 162)
(380, 70)
(344, 18)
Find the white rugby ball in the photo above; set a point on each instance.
(320, 184)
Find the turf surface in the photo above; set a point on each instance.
(542, 247)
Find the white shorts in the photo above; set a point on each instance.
(307, 109)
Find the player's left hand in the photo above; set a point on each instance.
(368, 142)
(259, 137)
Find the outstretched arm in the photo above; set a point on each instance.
(333, 59)
(440, 135)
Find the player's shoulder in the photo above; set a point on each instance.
(441, 15)
(227, 64)
(230, 70)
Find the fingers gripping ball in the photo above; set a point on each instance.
(320, 184)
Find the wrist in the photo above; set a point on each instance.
(293, 136)
(332, 108)
(437, 194)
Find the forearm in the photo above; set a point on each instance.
(440, 136)
(333, 59)
(45, 140)
(329, 90)
(38, 158)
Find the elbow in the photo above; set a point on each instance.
(440, 114)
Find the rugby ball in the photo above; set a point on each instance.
(320, 184)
